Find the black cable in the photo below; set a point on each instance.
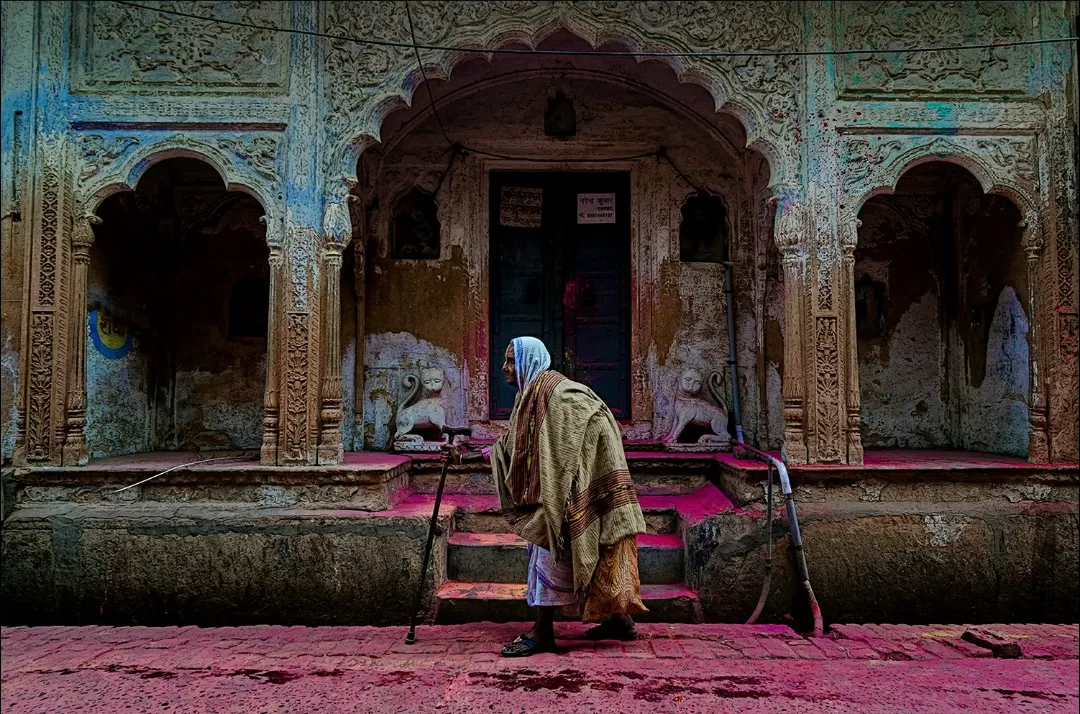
(662, 153)
(427, 85)
(603, 53)
(454, 151)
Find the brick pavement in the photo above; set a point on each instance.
(683, 668)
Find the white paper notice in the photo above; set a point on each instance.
(596, 208)
(520, 206)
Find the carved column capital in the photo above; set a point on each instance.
(849, 234)
(276, 257)
(1032, 240)
(83, 236)
(337, 224)
(790, 224)
(274, 232)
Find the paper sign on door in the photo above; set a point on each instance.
(520, 207)
(596, 208)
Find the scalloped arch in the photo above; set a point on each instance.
(366, 128)
(127, 174)
(953, 153)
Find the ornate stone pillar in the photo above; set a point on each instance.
(1038, 438)
(337, 232)
(789, 228)
(74, 449)
(43, 428)
(849, 237)
(272, 400)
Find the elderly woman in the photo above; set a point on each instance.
(564, 487)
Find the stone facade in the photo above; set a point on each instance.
(328, 134)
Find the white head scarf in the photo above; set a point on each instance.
(530, 359)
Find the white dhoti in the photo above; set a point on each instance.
(550, 584)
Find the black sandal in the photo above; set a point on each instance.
(526, 647)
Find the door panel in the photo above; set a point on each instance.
(566, 283)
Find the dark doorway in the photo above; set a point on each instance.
(560, 271)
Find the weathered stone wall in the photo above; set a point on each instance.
(211, 566)
(900, 562)
(107, 90)
(908, 551)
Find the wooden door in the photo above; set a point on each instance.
(560, 271)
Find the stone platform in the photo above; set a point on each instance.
(910, 537)
(367, 481)
(868, 669)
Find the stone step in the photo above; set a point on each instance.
(654, 474)
(480, 514)
(502, 558)
(460, 602)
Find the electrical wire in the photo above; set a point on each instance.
(662, 153)
(242, 455)
(427, 85)
(602, 53)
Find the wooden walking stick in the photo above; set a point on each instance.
(452, 454)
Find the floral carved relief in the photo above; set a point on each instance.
(827, 398)
(883, 25)
(258, 154)
(39, 397)
(296, 388)
(874, 164)
(122, 48)
(98, 151)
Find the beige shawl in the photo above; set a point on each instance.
(560, 471)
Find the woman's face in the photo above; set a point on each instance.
(509, 368)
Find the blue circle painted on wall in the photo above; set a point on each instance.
(111, 337)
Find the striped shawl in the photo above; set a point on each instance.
(560, 471)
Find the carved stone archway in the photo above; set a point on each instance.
(102, 164)
(1004, 166)
(367, 82)
(760, 93)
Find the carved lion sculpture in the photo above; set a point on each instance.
(691, 409)
(425, 413)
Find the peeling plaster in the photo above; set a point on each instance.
(9, 373)
(943, 530)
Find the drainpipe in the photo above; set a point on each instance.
(773, 463)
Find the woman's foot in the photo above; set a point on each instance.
(617, 627)
(527, 646)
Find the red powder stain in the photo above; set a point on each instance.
(142, 672)
(567, 681)
(1029, 694)
(273, 676)
(399, 677)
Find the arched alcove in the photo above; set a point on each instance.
(177, 310)
(942, 328)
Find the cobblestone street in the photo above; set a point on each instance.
(671, 668)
